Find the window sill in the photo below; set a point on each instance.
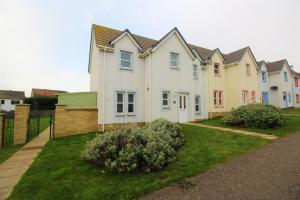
(196, 79)
(166, 108)
(175, 68)
(131, 114)
(120, 115)
(198, 113)
(217, 75)
(127, 69)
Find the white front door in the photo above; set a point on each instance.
(183, 108)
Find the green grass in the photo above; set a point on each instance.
(6, 152)
(59, 173)
(291, 111)
(292, 125)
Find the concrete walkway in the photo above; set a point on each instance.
(269, 173)
(260, 135)
(13, 168)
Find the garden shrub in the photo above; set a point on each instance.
(255, 116)
(136, 149)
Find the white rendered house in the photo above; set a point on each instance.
(280, 83)
(9, 99)
(264, 82)
(139, 79)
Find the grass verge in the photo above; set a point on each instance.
(59, 173)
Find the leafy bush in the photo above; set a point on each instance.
(173, 129)
(255, 116)
(136, 149)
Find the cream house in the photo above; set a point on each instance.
(140, 79)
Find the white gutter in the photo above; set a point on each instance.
(103, 89)
(150, 87)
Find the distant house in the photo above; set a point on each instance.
(9, 98)
(45, 92)
(296, 88)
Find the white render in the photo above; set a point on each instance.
(264, 85)
(149, 77)
(277, 79)
(8, 106)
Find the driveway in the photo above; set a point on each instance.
(270, 173)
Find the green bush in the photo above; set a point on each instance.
(255, 116)
(136, 149)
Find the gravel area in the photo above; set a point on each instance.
(269, 173)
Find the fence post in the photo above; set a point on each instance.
(2, 129)
(21, 123)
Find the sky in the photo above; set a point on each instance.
(45, 44)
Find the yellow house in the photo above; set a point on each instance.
(242, 78)
(232, 79)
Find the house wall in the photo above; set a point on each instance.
(175, 81)
(216, 83)
(249, 83)
(7, 106)
(296, 90)
(264, 86)
(232, 86)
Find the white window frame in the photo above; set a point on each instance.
(217, 71)
(198, 104)
(195, 72)
(165, 99)
(285, 76)
(245, 97)
(177, 60)
(121, 102)
(130, 60)
(264, 76)
(133, 103)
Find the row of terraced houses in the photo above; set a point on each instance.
(139, 79)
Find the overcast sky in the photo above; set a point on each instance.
(45, 44)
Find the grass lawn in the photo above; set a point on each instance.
(6, 152)
(292, 125)
(59, 173)
(291, 111)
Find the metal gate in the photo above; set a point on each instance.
(39, 120)
(8, 132)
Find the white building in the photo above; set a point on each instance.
(139, 79)
(280, 84)
(9, 98)
(264, 82)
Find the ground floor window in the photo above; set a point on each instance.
(297, 98)
(2, 101)
(245, 96)
(13, 102)
(197, 104)
(253, 97)
(125, 103)
(218, 98)
(165, 99)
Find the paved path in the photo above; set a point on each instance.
(261, 135)
(13, 168)
(269, 173)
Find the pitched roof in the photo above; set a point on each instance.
(9, 94)
(45, 92)
(235, 56)
(295, 73)
(276, 66)
(105, 35)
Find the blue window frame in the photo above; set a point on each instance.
(264, 76)
(285, 76)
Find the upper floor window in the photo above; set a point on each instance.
(245, 97)
(296, 82)
(2, 101)
(195, 71)
(126, 60)
(248, 71)
(285, 75)
(197, 104)
(174, 60)
(217, 69)
(218, 98)
(165, 99)
(264, 76)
